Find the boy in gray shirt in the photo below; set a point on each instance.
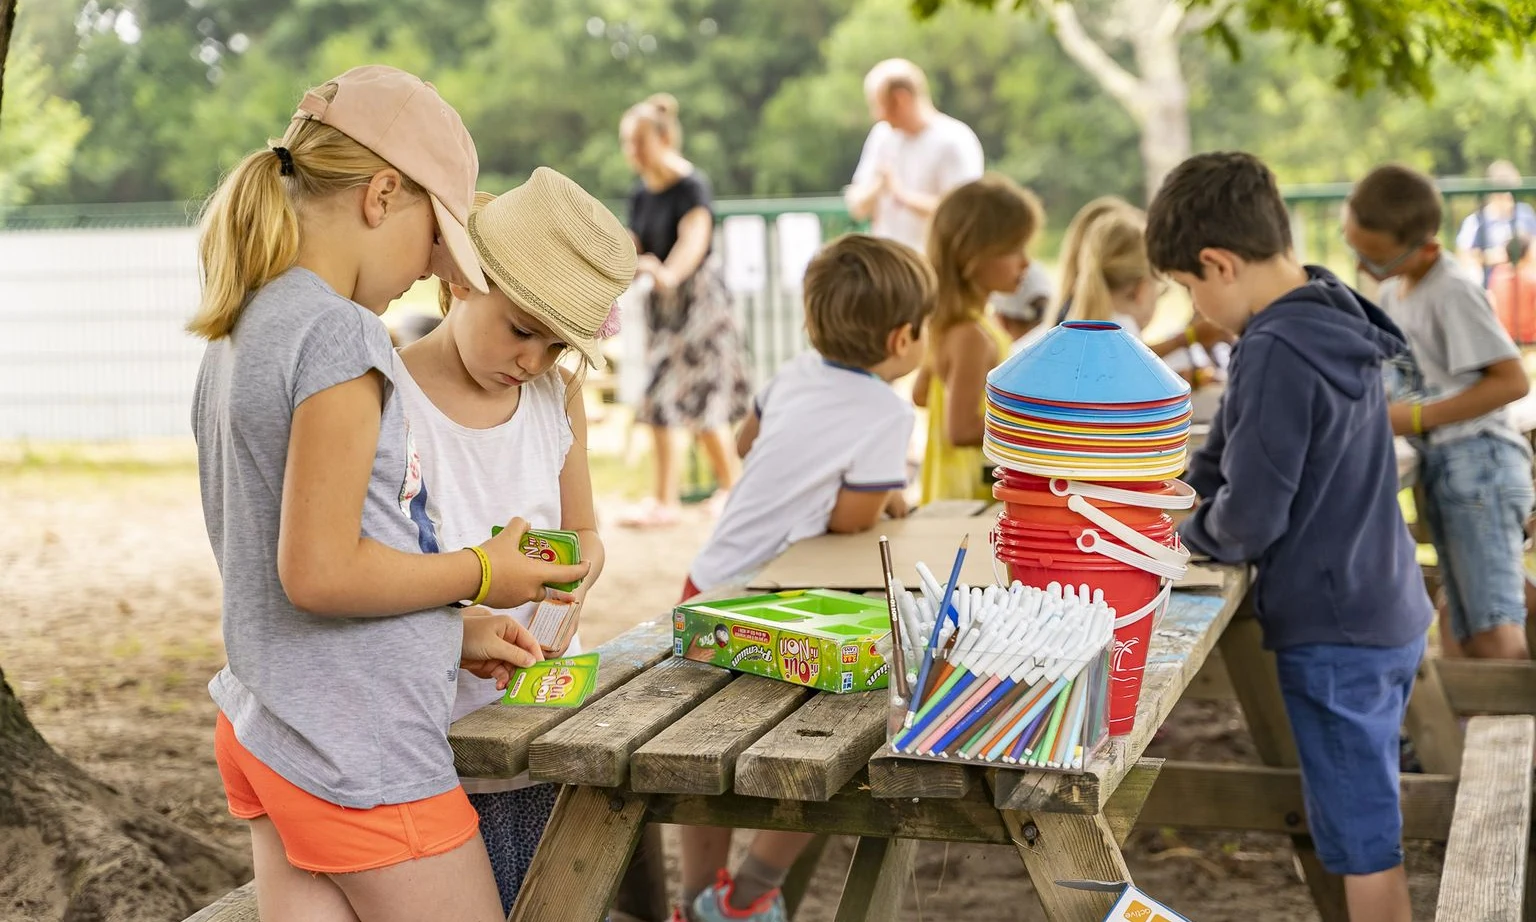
(1475, 467)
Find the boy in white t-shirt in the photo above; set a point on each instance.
(826, 451)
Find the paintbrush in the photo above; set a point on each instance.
(898, 651)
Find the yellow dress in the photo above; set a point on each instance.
(950, 472)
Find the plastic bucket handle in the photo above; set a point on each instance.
(1183, 496)
(1125, 533)
(1090, 542)
(1158, 604)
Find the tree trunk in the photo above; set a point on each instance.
(74, 849)
(7, 26)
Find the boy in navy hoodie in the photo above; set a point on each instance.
(1299, 478)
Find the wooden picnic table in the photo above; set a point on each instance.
(666, 740)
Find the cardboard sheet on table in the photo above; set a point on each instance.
(1202, 577)
(852, 562)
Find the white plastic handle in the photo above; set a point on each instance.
(1090, 542)
(1158, 604)
(1080, 505)
(1183, 496)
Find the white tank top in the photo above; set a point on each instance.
(483, 477)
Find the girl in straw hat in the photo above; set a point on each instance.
(501, 426)
(333, 710)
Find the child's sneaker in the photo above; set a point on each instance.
(714, 905)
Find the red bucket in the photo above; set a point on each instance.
(1126, 588)
(1039, 506)
(1025, 530)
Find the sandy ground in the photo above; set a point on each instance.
(109, 630)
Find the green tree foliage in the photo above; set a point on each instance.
(38, 132)
(174, 91)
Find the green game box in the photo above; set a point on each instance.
(819, 638)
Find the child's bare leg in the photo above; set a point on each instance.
(705, 850)
(722, 456)
(286, 892)
(1503, 641)
(667, 486)
(1379, 897)
(768, 863)
(457, 884)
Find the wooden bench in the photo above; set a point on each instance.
(237, 905)
(1484, 878)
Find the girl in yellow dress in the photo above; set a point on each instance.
(978, 245)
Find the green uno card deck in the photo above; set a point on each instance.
(551, 545)
(819, 638)
(558, 683)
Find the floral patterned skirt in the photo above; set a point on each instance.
(698, 372)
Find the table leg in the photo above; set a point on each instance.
(876, 879)
(801, 873)
(1432, 725)
(1068, 846)
(643, 891)
(1256, 681)
(586, 847)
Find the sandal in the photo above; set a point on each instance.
(650, 514)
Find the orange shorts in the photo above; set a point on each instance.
(326, 838)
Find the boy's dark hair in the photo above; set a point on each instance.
(1397, 200)
(857, 290)
(1228, 200)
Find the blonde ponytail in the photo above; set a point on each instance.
(250, 229)
(1072, 242)
(250, 236)
(1113, 260)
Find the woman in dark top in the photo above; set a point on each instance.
(698, 374)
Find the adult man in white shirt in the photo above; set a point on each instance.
(913, 155)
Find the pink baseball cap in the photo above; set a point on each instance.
(402, 118)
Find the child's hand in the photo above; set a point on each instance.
(494, 645)
(517, 579)
(896, 507)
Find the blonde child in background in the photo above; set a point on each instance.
(1072, 246)
(332, 735)
(1115, 281)
(978, 247)
(825, 451)
(502, 429)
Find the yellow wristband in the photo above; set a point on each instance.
(1189, 334)
(485, 576)
(1416, 418)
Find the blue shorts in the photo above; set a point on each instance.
(1478, 493)
(1346, 704)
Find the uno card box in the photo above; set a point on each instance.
(819, 638)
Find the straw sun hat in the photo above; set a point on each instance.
(559, 254)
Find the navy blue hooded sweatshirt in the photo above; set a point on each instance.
(1299, 476)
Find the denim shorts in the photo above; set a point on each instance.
(1346, 704)
(1478, 492)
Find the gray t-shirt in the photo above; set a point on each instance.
(1454, 335)
(352, 710)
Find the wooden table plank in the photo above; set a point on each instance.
(891, 775)
(1189, 631)
(1485, 860)
(1260, 798)
(593, 747)
(493, 741)
(1065, 846)
(697, 754)
(1489, 687)
(813, 752)
(238, 905)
